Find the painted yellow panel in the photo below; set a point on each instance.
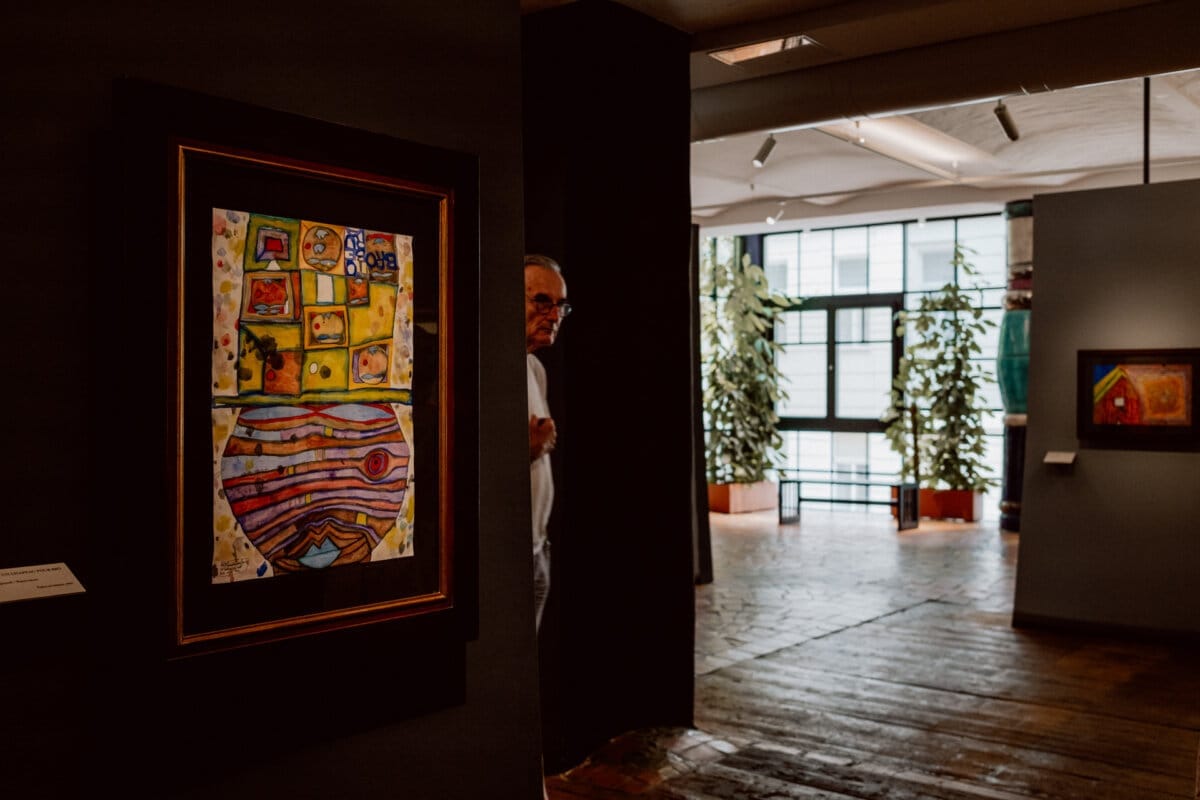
(324, 370)
(287, 337)
(250, 367)
(310, 294)
(375, 320)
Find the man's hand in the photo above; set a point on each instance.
(542, 436)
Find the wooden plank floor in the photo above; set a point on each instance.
(842, 659)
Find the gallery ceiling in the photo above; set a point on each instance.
(890, 104)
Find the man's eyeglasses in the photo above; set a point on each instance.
(543, 304)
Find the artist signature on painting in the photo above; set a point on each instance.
(229, 568)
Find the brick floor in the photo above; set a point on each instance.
(778, 586)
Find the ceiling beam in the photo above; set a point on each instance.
(1129, 43)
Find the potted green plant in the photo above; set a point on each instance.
(742, 383)
(935, 420)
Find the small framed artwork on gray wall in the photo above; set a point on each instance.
(1138, 399)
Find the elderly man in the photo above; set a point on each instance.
(546, 307)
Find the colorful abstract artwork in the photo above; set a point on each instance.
(1142, 394)
(1138, 399)
(321, 296)
(312, 364)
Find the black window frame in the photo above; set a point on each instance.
(831, 304)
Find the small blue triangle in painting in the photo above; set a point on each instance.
(320, 557)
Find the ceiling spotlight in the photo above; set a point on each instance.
(1006, 122)
(768, 144)
(778, 215)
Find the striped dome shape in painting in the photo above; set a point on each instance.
(315, 486)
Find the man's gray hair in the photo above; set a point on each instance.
(537, 260)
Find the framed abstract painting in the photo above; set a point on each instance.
(322, 313)
(1138, 399)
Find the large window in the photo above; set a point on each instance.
(839, 345)
(838, 261)
(839, 356)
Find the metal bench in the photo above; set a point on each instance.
(903, 496)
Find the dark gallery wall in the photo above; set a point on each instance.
(1110, 541)
(369, 725)
(606, 149)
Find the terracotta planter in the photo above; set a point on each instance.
(963, 504)
(735, 498)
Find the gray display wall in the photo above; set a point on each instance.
(1112, 540)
